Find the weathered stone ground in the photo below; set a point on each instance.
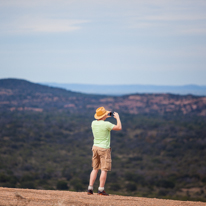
(30, 197)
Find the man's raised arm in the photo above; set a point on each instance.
(119, 124)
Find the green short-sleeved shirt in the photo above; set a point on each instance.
(101, 132)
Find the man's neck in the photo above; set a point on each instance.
(102, 119)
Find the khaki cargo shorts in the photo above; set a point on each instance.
(101, 158)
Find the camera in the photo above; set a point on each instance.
(111, 114)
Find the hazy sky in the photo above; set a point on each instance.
(160, 42)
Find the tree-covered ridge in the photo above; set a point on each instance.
(153, 156)
(23, 95)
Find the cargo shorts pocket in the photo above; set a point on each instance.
(108, 164)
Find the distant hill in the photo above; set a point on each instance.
(26, 86)
(129, 89)
(17, 94)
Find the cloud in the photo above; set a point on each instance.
(172, 17)
(40, 16)
(41, 25)
(30, 3)
(161, 16)
(170, 23)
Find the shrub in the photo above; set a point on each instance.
(4, 178)
(29, 185)
(166, 184)
(77, 185)
(131, 186)
(162, 192)
(115, 186)
(27, 178)
(66, 173)
(62, 185)
(135, 178)
(112, 177)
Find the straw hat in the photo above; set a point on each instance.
(101, 112)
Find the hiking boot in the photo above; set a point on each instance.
(90, 192)
(102, 193)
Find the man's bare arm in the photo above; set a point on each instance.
(119, 124)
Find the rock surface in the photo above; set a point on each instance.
(30, 197)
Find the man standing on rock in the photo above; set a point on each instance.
(101, 148)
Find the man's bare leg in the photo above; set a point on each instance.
(93, 177)
(103, 178)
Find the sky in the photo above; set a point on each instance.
(156, 42)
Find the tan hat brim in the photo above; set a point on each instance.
(99, 117)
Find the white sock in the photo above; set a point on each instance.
(100, 189)
(90, 187)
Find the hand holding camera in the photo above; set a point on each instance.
(116, 115)
(113, 114)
